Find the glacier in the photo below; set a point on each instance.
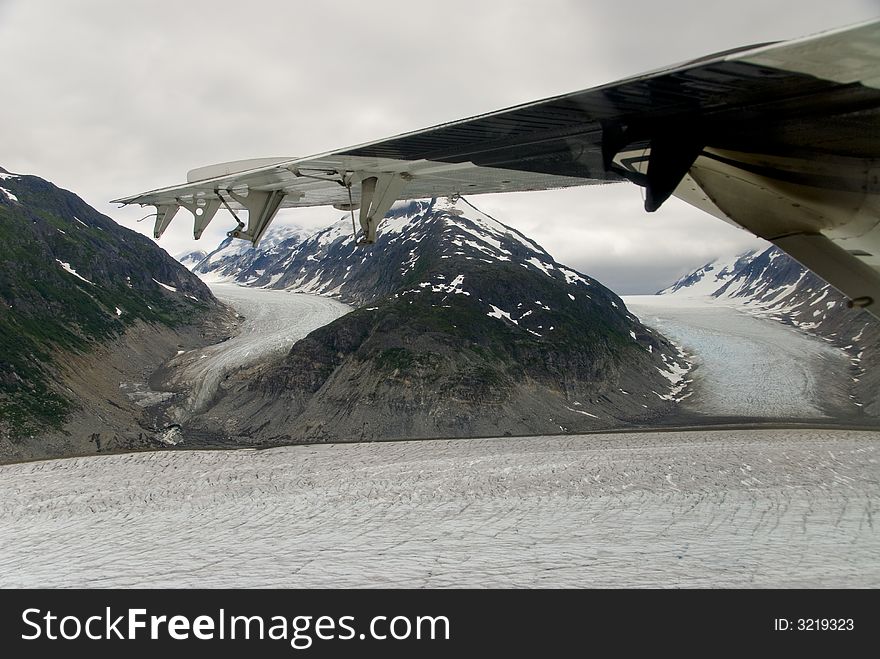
(735, 509)
(746, 365)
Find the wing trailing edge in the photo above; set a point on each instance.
(782, 140)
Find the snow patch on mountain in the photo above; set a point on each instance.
(69, 269)
(454, 287)
(165, 286)
(500, 313)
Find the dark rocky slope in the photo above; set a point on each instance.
(77, 290)
(464, 327)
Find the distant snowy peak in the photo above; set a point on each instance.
(768, 279)
(191, 259)
(772, 284)
(775, 284)
(232, 254)
(705, 281)
(419, 244)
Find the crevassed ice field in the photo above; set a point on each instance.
(724, 508)
(760, 508)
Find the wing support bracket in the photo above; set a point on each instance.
(378, 194)
(261, 207)
(672, 151)
(203, 211)
(164, 214)
(671, 158)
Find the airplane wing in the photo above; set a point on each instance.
(781, 139)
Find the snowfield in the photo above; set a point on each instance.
(700, 509)
(747, 365)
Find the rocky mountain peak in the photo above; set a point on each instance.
(421, 244)
(190, 259)
(710, 277)
(463, 326)
(233, 255)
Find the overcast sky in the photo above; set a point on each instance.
(110, 98)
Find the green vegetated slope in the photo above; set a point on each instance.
(71, 278)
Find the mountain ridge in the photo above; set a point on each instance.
(233, 255)
(72, 283)
(464, 326)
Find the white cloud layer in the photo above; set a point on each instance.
(110, 98)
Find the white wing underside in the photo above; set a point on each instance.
(315, 181)
(782, 140)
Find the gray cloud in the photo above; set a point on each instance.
(110, 98)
